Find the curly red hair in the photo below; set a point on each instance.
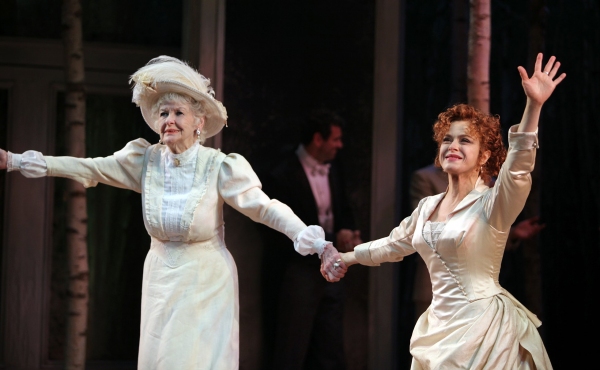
(484, 126)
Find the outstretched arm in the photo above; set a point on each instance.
(538, 89)
(123, 169)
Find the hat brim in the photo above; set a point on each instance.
(216, 116)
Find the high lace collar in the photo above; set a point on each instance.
(178, 160)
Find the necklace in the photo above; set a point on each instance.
(181, 159)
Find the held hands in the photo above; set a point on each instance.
(540, 86)
(332, 266)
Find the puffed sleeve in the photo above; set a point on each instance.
(123, 169)
(392, 248)
(240, 187)
(513, 185)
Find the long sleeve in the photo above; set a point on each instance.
(123, 169)
(392, 248)
(512, 187)
(240, 188)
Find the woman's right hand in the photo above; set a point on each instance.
(332, 267)
(3, 159)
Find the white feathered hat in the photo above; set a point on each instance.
(166, 74)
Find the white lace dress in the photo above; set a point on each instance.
(190, 309)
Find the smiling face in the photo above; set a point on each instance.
(178, 125)
(460, 151)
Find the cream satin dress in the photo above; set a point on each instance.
(190, 308)
(472, 322)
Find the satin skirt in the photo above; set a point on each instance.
(491, 333)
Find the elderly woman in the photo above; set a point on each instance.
(190, 310)
(472, 322)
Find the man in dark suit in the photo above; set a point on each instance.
(308, 330)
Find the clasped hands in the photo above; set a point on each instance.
(333, 268)
(333, 265)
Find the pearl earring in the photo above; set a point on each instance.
(198, 132)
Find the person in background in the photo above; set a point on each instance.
(472, 322)
(308, 330)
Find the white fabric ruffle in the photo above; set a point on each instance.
(31, 164)
(311, 240)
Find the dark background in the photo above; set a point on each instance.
(283, 58)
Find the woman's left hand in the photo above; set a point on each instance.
(332, 267)
(540, 86)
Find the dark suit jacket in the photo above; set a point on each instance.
(284, 268)
(287, 182)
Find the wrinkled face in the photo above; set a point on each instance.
(459, 151)
(178, 126)
(328, 148)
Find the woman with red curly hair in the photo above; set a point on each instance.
(472, 322)
(481, 125)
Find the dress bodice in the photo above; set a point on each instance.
(465, 264)
(181, 203)
(451, 282)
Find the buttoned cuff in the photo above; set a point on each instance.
(522, 140)
(13, 161)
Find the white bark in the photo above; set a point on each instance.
(478, 67)
(75, 351)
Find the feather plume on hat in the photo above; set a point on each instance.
(166, 74)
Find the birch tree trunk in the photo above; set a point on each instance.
(478, 67)
(77, 291)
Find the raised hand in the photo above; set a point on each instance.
(541, 84)
(332, 266)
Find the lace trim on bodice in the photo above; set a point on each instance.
(161, 171)
(432, 231)
(431, 234)
(178, 181)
